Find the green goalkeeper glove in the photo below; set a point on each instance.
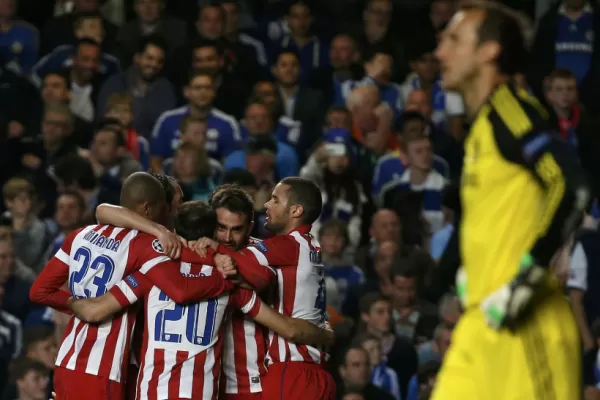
(506, 307)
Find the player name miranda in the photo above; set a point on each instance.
(102, 241)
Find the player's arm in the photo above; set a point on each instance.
(165, 273)
(47, 288)
(119, 216)
(293, 329)
(256, 262)
(558, 172)
(566, 197)
(97, 309)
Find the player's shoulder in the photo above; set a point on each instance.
(149, 243)
(172, 115)
(514, 110)
(224, 117)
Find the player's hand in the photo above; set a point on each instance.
(225, 265)
(171, 243)
(507, 306)
(201, 246)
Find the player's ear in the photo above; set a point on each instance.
(297, 211)
(489, 51)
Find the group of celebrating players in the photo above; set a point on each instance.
(195, 337)
(148, 327)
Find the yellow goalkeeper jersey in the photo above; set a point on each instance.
(510, 189)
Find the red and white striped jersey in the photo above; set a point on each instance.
(98, 257)
(92, 260)
(294, 260)
(244, 354)
(181, 351)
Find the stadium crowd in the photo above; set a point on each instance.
(343, 93)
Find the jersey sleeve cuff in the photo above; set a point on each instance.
(123, 294)
(253, 306)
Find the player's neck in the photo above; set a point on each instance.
(199, 112)
(477, 91)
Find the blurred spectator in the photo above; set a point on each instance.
(333, 236)
(287, 130)
(10, 339)
(192, 168)
(355, 374)
(87, 26)
(448, 108)
(300, 103)
(19, 43)
(76, 173)
(441, 238)
(222, 135)
(56, 88)
(449, 312)
(111, 162)
(233, 35)
(85, 78)
(372, 120)
(31, 379)
(244, 54)
(440, 13)
(14, 288)
(378, 64)
(21, 271)
(381, 375)
(152, 94)
(31, 235)
(260, 153)
(120, 118)
(447, 148)
(414, 319)
(40, 344)
(377, 30)
(565, 38)
(259, 122)
(385, 226)
(150, 20)
(344, 58)
(561, 92)
(312, 52)
(343, 197)
(193, 132)
(59, 30)
(420, 177)
(70, 209)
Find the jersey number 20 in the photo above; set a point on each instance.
(192, 314)
(102, 267)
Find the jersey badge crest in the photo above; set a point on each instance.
(157, 246)
(261, 246)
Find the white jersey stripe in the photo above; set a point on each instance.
(78, 345)
(62, 256)
(148, 265)
(260, 257)
(95, 357)
(67, 343)
(187, 378)
(165, 375)
(115, 369)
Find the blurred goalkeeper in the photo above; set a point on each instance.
(522, 196)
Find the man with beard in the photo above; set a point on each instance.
(152, 94)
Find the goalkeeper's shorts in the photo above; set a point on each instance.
(540, 361)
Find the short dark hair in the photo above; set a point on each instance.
(360, 340)
(23, 365)
(168, 184)
(197, 73)
(151, 40)
(501, 24)
(287, 51)
(298, 3)
(405, 266)
(119, 139)
(86, 41)
(82, 16)
(338, 108)
(139, 188)
(61, 73)
(195, 219)
(307, 194)
(424, 44)
(33, 334)
(240, 177)
(354, 347)
(200, 43)
(337, 226)
(372, 51)
(428, 370)
(233, 198)
(71, 193)
(368, 300)
(213, 5)
(74, 169)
